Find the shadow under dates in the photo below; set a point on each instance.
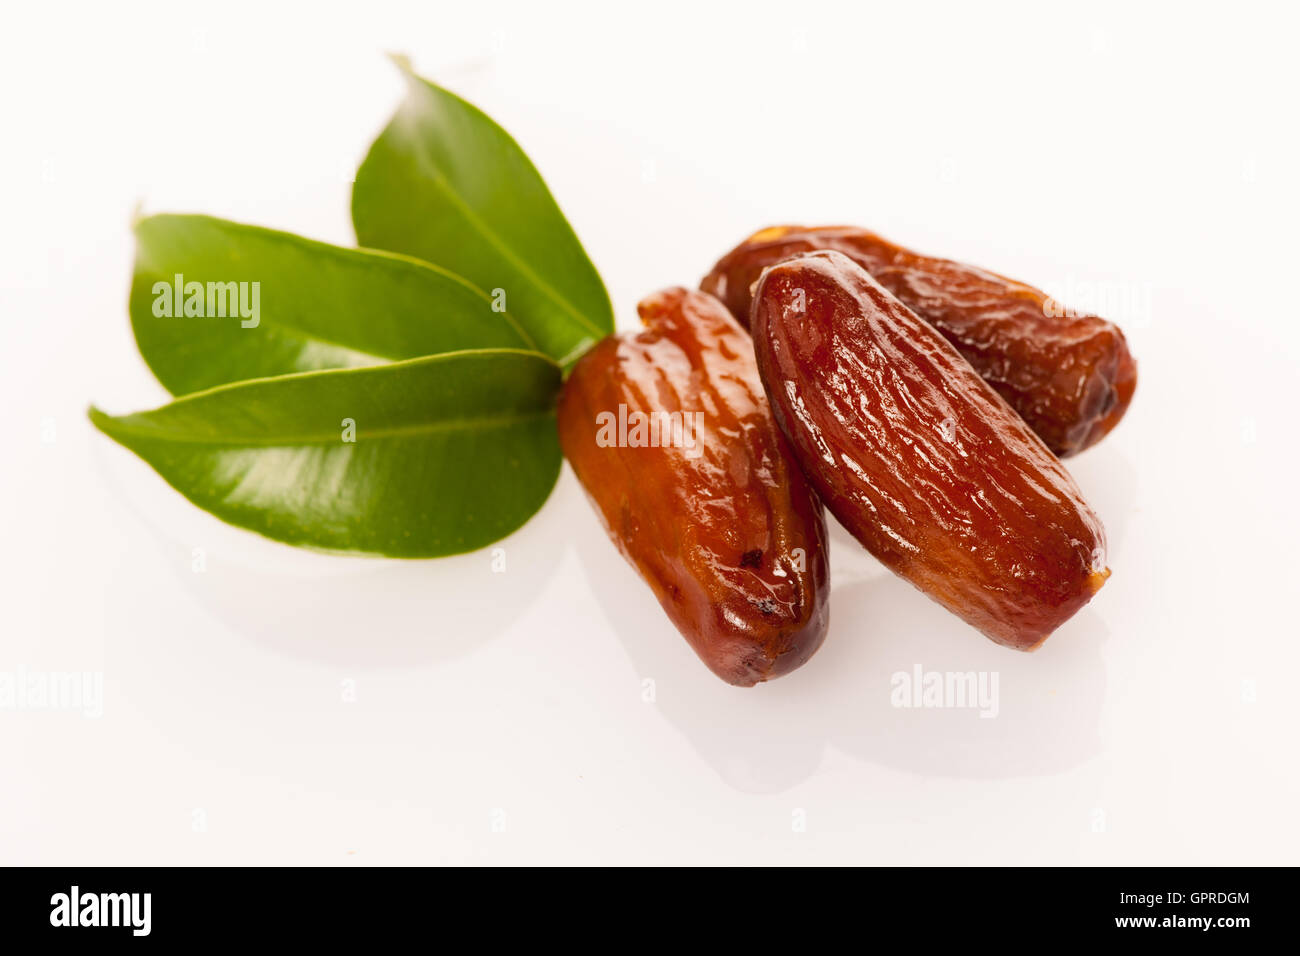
(770, 738)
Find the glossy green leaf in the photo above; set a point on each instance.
(271, 303)
(451, 452)
(446, 184)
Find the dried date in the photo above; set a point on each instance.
(918, 457)
(717, 517)
(1070, 376)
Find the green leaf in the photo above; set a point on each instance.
(446, 184)
(317, 306)
(451, 452)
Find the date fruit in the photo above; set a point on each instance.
(671, 436)
(1070, 376)
(918, 457)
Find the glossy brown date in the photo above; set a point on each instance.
(1071, 377)
(716, 517)
(918, 457)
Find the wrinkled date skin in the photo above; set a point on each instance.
(1071, 377)
(918, 457)
(724, 526)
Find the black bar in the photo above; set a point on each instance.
(1162, 904)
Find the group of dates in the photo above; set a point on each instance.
(926, 403)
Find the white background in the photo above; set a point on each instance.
(1147, 153)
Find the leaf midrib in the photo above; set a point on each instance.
(487, 233)
(122, 426)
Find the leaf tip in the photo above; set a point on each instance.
(402, 62)
(99, 419)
